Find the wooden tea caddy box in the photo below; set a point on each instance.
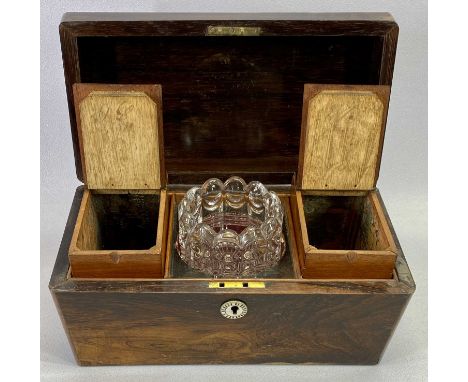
(217, 96)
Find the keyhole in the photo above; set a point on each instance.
(233, 309)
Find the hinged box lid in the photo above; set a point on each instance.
(342, 135)
(232, 84)
(120, 136)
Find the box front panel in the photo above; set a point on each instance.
(188, 328)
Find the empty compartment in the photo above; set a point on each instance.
(345, 236)
(343, 222)
(120, 222)
(119, 235)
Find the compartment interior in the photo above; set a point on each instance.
(119, 222)
(343, 223)
(285, 269)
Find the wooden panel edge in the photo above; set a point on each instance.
(293, 247)
(120, 252)
(62, 262)
(383, 222)
(161, 222)
(71, 68)
(390, 40)
(329, 264)
(351, 252)
(164, 233)
(302, 239)
(168, 256)
(79, 221)
(402, 269)
(116, 265)
(302, 142)
(383, 92)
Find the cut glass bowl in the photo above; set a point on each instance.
(230, 229)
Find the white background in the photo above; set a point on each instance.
(402, 182)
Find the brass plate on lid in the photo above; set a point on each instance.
(220, 30)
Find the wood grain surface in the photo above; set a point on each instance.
(342, 137)
(348, 264)
(119, 135)
(187, 328)
(228, 99)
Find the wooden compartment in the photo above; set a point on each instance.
(288, 267)
(119, 235)
(342, 231)
(343, 236)
(120, 230)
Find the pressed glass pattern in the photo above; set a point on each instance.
(230, 229)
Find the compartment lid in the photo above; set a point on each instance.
(342, 136)
(120, 136)
(232, 84)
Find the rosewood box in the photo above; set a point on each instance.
(160, 104)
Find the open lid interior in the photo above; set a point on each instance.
(232, 89)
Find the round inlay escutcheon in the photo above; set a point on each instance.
(233, 309)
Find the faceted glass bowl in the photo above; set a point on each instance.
(231, 229)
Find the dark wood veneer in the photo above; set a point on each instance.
(228, 99)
